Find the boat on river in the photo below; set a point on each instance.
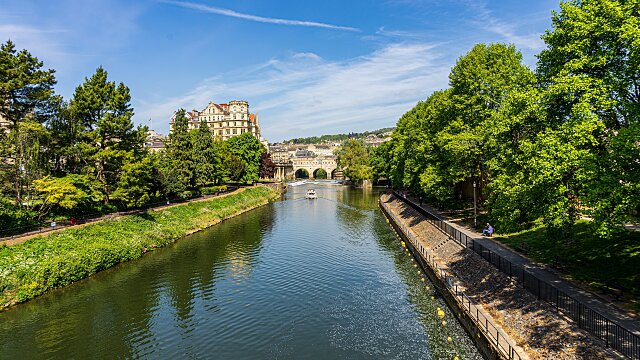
(311, 194)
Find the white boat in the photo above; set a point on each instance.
(311, 194)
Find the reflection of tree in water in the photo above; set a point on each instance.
(115, 311)
(231, 245)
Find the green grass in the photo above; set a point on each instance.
(37, 265)
(585, 256)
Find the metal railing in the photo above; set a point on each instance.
(496, 338)
(43, 227)
(612, 334)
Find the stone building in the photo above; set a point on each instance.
(224, 120)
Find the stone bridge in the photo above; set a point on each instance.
(307, 167)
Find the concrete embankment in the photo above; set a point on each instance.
(511, 322)
(58, 259)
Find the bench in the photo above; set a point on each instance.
(612, 288)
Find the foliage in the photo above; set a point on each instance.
(58, 259)
(320, 174)
(26, 100)
(177, 164)
(102, 110)
(13, 216)
(249, 150)
(69, 192)
(583, 253)
(203, 154)
(267, 167)
(353, 157)
(339, 137)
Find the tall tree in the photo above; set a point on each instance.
(177, 164)
(204, 156)
(267, 167)
(26, 97)
(589, 74)
(103, 110)
(353, 158)
(247, 148)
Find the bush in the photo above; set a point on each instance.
(12, 216)
(58, 259)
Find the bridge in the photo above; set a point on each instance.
(308, 167)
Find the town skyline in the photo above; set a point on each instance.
(309, 69)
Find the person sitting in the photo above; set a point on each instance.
(488, 231)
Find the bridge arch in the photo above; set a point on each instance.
(320, 173)
(302, 173)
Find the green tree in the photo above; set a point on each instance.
(380, 160)
(26, 98)
(203, 154)
(177, 163)
(110, 139)
(248, 149)
(589, 73)
(138, 183)
(69, 193)
(353, 158)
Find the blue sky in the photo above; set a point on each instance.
(307, 67)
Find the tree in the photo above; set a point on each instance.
(138, 183)
(267, 167)
(248, 149)
(103, 112)
(177, 163)
(589, 75)
(380, 160)
(69, 193)
(203, 154)
(353, 158)
(320, 174)
(26, 97)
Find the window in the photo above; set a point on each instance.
(219, 132)
(234, 131)
(227, 131)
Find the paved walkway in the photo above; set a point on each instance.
(18, 239)
(588, 298)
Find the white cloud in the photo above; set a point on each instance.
(262, 19)
(507, 30)
(305, 95)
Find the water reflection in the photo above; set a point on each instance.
(299, 278)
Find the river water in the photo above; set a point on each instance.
(303, 279)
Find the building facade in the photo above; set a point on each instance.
(224, 120)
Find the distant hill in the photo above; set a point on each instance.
(338, 137)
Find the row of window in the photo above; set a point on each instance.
(222, 117)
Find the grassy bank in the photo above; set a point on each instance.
(58, 259)
(586, 257)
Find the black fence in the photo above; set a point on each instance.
(46, 226)
(496, 339)
(613, 335)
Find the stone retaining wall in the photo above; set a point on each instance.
(532, 324)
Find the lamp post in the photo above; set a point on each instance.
(475, 215)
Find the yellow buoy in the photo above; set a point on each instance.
(427, 287)
(440, 313)
(422, 279)
(456, 358)
(444, 322)
(449, 339)
(433, 298)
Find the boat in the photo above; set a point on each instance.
(311, 194)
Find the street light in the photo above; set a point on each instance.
(475, 215)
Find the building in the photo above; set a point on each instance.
(224, 120)
(154, 141)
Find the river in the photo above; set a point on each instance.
(298, 278)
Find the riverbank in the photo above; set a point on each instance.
(533, 324)
(59, 259)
